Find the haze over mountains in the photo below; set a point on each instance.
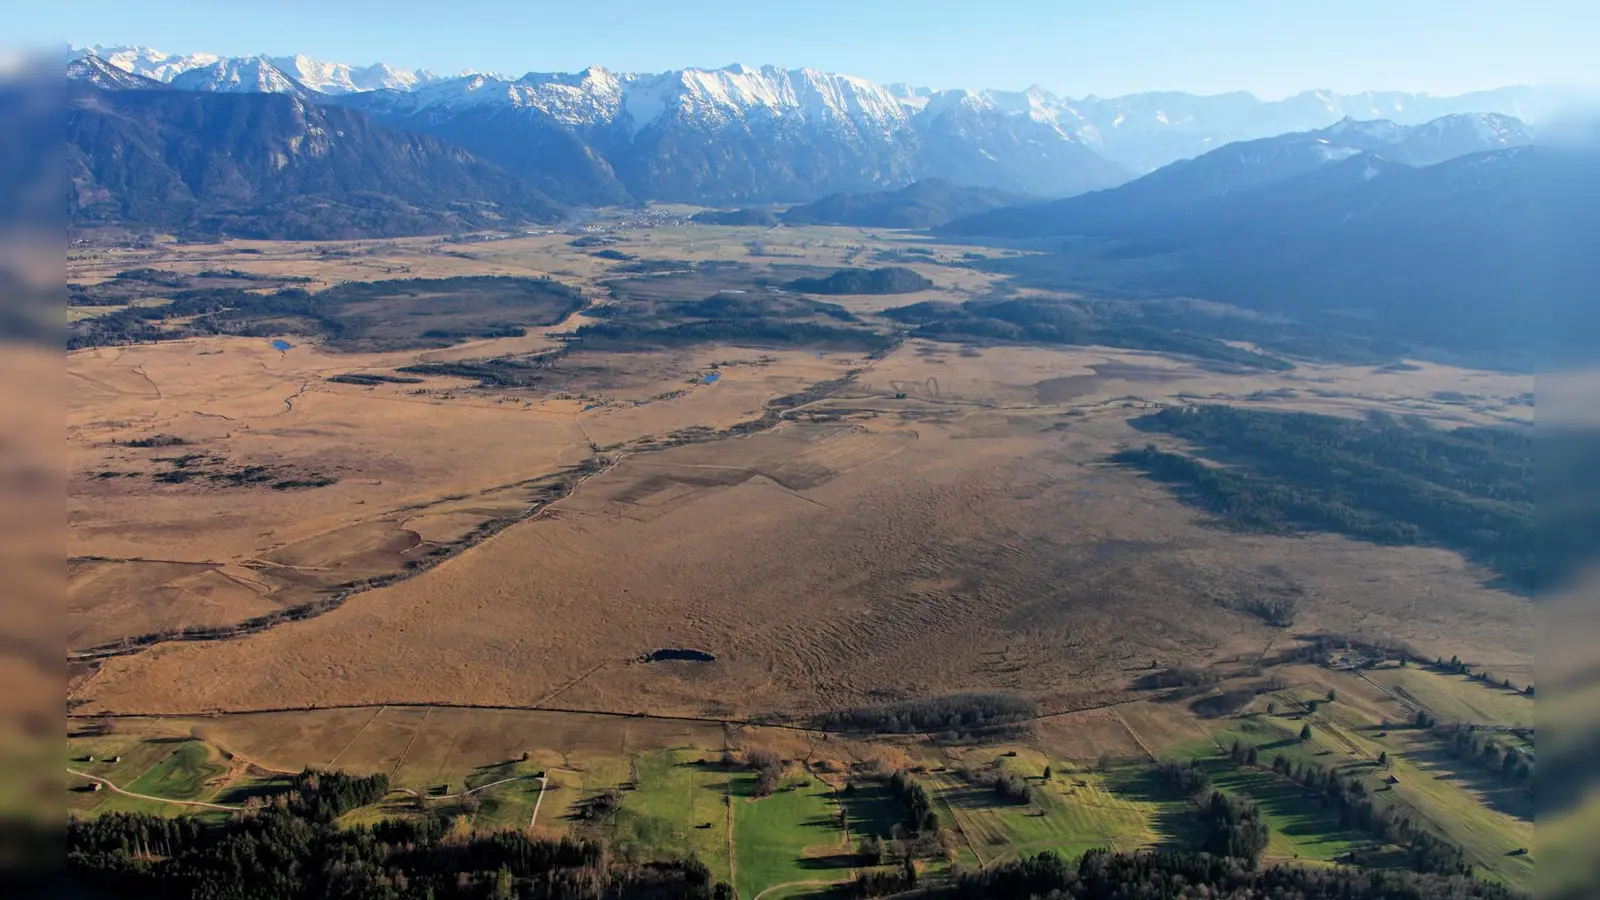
(1371, 221)
(741, 134)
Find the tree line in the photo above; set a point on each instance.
(1233, 826)
(280, 853)
(951, 716)
(1104, 875)
(1048, 321)
(1425, 851)
(1378, 479)
(1472, 744)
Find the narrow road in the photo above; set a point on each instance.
(108, 783)
(481, 787)
(790, 884)
(543, 781)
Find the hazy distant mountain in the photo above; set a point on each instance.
(1459, 259)
(1245, 166)
(1451, 255)
(1431, 142)
(325, 77)
(274, 166)
(921, 205)
(1147, 131)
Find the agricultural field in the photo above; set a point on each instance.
(1458, 698)
(679, 806)
(1489, 818)
(1082, 806)
(789, 837)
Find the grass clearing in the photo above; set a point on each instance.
(1458, 698)
(677, 808)
(1079, 809)
(869, 809)
(792, 835)
(1302, 828)
(507, 806)
(185, 774)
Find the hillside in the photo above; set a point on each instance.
(274, 166)
(1246, 166)
(925, 204)
(1423, 258)
(889, 280)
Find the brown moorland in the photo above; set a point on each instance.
(875, 546)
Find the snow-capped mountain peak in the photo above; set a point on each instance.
(249, 74)
(341, 78)
(304, 71)
(91, 69)
(148, 62)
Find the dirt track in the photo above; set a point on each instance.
(108, 783)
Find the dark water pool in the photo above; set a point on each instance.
(281, 345)
(679, 654)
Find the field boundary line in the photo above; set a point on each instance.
(1135, 735)
(563, 710)
(414, 735)
(569, 686)
(727, 806)
(358, 734)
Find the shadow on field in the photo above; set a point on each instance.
(1176, 820)
(870, 809)
(239, 794)
(826, 863)
(1492, 788)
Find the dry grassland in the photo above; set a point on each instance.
(966, 536)
(944, 522)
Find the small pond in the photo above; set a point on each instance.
(679, 654)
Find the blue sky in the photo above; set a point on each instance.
(1271, 47)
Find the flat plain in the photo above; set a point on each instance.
(828, 529)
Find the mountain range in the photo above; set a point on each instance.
(1336, 231)
(925, 204)
(1225, 174)
(739, 134)
(269, 165)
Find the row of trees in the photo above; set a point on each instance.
(1349, 796)
(916, 806)
(960, 714)
(1472, 744)
(1233, 825)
